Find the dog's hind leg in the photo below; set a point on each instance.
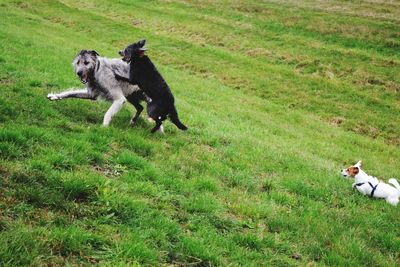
(158, 127)
(115, 107)
(393, 200)
(134, 99)
(173, 115)
(153, 111)
(396, 184)
(83, 94)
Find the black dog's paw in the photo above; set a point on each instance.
(117, 76)
(121, 78)
(154, 130)
(132, 123)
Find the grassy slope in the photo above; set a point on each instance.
(277, 98)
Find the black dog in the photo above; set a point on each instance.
(144, 74)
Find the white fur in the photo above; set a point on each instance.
(115, 107)
(383, 190)
(66, 94)
(161, 129)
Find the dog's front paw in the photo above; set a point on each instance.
(53, 97)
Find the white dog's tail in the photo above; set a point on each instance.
(394, 182)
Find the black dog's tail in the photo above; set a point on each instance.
(173, 115)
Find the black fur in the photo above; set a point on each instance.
(135, 98)
(144, 74)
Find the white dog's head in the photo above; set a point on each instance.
(84, 64)
(351, 171)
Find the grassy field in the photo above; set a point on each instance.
(278, 96)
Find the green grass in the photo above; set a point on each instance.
(278, 96)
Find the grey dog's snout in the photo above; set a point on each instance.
(79, 73)
(121, 53)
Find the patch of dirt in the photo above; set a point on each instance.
(336, 121)
(62, 21)
(375, 81)
(296, 256)
(6, 81)
(110, 171)
(136, 22)
(255, 52)
(368, 130)
(24, 5)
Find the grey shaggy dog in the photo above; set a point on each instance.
(97, 73)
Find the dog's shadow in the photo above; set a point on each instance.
(87, 114)
(142, 125)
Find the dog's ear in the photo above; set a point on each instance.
(94, 53)
(82, 52)
(142, 42)
(353, 171)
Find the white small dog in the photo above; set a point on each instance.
(371, 186)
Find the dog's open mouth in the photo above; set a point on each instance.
(126, 59)
(83, 79)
